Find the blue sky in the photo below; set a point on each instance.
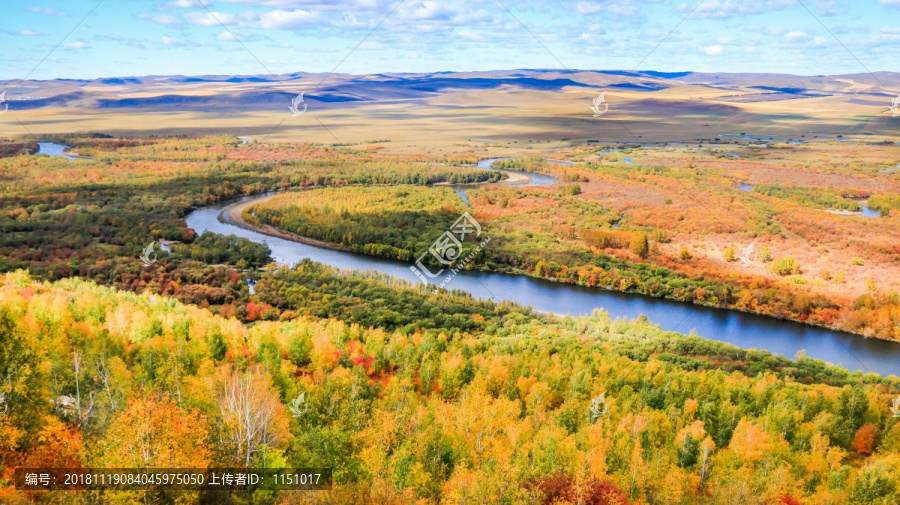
(164, 37)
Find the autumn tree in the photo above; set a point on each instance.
(251, 417)
(639, 245)
(154, 432)
(864, 439)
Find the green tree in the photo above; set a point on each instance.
(23, 389)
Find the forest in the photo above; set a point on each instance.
(522, 410)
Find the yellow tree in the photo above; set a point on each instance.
(156, 433)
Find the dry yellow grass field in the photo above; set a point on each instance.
(507, 117)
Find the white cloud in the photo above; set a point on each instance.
(209, 18)
(287, 20)
(27, 33)
(618, 9)
(798, 39)
(273, 20)
(163, 19)
(184, 4)
(714, 50)
(768, 30)
(123, 40)
(890, 3)
(795, 36)
(628, 11)
(890, 29)
(731, 8)
(78, 44)
(46, 11)
(427, 10)
(165, 42)
(588, 8)
(319, 5)
(232, 36)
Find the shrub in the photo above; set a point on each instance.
(573, 189)
(729, 254)
(639, 245)
(602, 239)
(785, 266)
(684, 254)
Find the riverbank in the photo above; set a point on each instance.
(512, 179)
(234, 215)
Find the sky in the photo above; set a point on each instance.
(46, 39)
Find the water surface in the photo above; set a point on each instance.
(487, 164)
(53, 149)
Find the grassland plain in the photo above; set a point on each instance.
(536, 109)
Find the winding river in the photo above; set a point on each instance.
(737, 328)
(528, 179)
(743, 330)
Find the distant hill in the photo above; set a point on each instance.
(267, 92)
